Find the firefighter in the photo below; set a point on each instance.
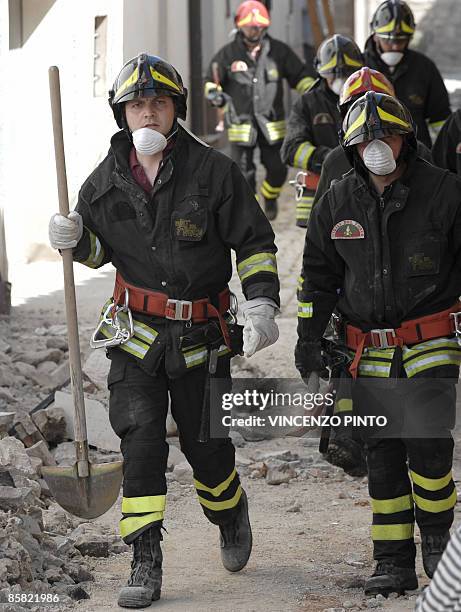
(314, 121)
(383, 247)
(344, 449)
(447, 148)
(336, 163)
(417, 81)
(246, 76)
(166, 210)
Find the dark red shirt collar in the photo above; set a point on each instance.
(137, 170)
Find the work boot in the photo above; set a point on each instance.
(432, 547)
(390, 578)
(145, 581)
(236, 539)
(348, 454)
(270, 208)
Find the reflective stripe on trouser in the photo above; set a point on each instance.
(276, 171)
(137, 411)
(218, 498)
(270, 192)
(395, 502)
(304, 207)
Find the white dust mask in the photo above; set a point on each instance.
(148, 142)
(337, 85)
(378, 158)
(392, 58)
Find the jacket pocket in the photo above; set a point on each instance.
(189, 222)
(423, 254)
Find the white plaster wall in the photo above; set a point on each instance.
(64, 38)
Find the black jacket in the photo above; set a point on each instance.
(336, 165)
(256, 87)
(418, 84)
(406, 265)
(448, 141)
(312, 129)
(178, 239)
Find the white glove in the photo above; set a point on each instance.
(65, 232)
(260, 329)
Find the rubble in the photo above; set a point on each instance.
(100, 432)
(40, 450)
(51, 422)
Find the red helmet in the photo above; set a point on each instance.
(252, 13)
(363, 80)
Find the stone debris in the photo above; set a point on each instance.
(41, 450)
(36, 357)
(100, 432)
(279, 472)
(51, 422)
(175, 457)
(33, 558)
(182, 473)
(96, 368)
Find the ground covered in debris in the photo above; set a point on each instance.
(310, 521)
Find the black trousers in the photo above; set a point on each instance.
(276, 171)
(409, 476)
(137, 411)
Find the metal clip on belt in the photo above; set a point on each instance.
(111, 318)
(457, 325)
(299, 183)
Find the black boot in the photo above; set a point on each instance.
(348, 454)
(390, 578)
(236, 539)
(270, 208)
(145, 581)
(432, 547)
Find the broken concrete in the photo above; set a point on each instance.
(41, 450)
(51, 422)
(100, 433)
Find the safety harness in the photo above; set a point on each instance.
(158, 304)
(437, 325)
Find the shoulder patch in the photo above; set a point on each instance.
(322, 118)
(347, 230)
(239, 66)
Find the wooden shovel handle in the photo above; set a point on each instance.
(69, 285)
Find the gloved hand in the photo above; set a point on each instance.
(216, 97)
(260, 329)
(65, 232)
(308, 358)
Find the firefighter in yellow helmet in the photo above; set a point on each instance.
(383, 248)
(166, 211)
(416, 79)
(246, 78)
(314, 121)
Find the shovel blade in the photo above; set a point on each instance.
(87, 497)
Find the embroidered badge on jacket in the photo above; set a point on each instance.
(347, 230)
(239, 66)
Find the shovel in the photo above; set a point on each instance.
(83, 489)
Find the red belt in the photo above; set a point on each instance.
(311, 181)
(159, 304)
(410, 332)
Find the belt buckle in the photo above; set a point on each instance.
(177, 306)
(382, 335)
(457, 325)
